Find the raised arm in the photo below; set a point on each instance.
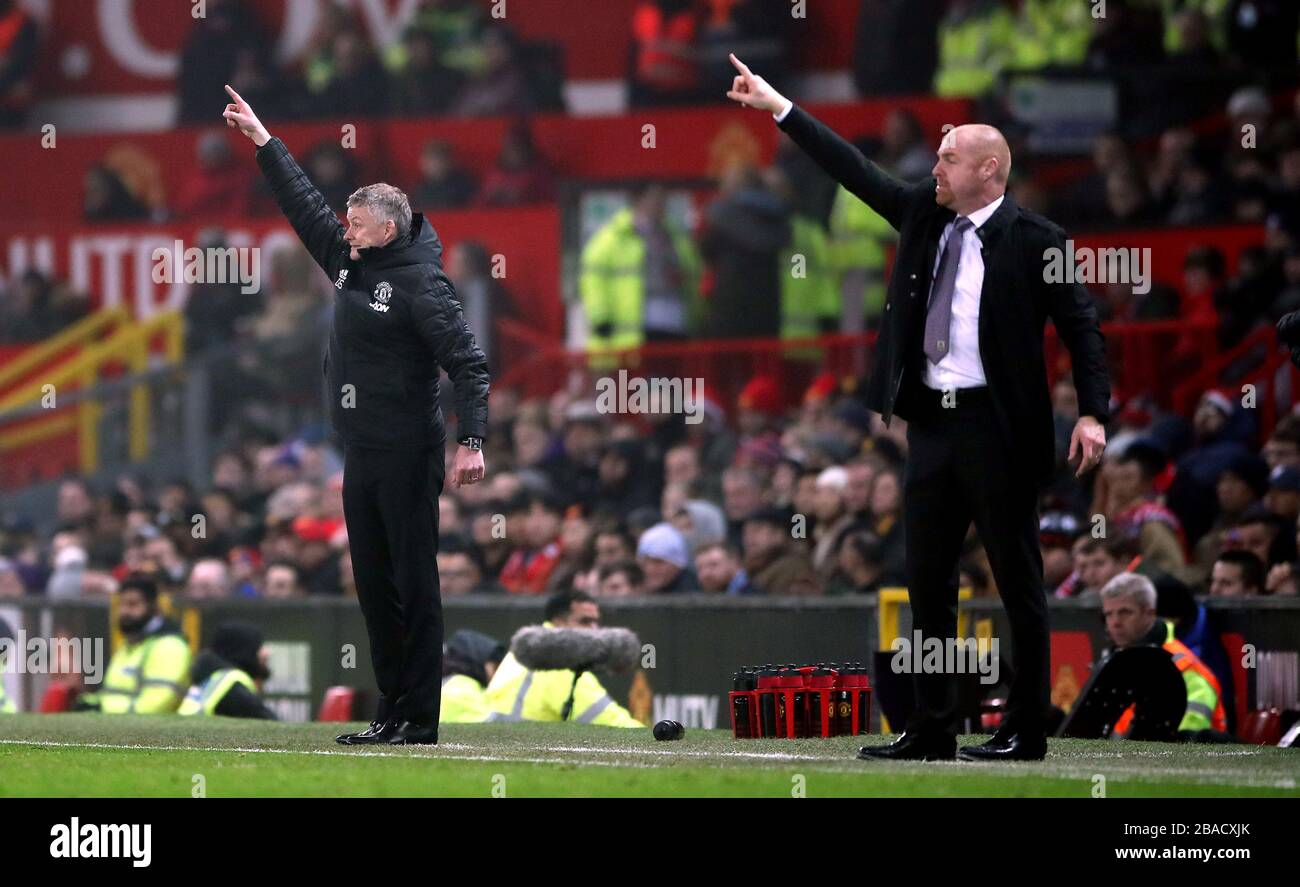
(317, 226)
(842, 162)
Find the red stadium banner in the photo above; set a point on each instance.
(687, 143)
(116, 264)
(98, 48)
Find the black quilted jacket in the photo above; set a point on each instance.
(396, 322)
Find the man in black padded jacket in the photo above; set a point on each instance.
(396, 323)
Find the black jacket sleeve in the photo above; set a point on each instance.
(240, 702)
(847, 165)
(441, 324)
(315, 223)
(1075, 317)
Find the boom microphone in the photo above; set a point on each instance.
(577, 649)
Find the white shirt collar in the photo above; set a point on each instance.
(982, 215)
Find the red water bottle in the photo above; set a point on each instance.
(860, 687)
(791, 712)
(821, 702)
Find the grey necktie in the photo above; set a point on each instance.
(938, 318)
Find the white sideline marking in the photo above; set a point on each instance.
(45, 743)
(1073, 764)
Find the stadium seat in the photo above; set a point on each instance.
(337, 705)
(1262, 727)
(58, 697)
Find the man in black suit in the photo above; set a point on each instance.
(960, 358)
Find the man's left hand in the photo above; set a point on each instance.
(1089, 441)
(467, 467)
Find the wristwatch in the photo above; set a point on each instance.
(472, 443)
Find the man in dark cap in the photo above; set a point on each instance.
(229, 674)
(468, 662)
(1283, 496)
(771, 556)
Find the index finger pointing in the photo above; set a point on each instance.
(740, 66)
(234, 95)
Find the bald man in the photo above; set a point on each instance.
(960, 358)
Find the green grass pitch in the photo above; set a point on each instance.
(96, 756)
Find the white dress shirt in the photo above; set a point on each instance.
(962, 367)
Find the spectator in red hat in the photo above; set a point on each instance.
(759, 406)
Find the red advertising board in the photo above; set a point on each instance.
(116, 264)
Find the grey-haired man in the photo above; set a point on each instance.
(396, 324)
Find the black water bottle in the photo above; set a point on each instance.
(742, 712)
(767, 685)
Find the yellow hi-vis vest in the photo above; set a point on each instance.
(464, 701)
(858, 235)
(1215, 11)
(809, 294)
(204, 698)
(611, 282)
(516, 693)
(7, 706)
(1204, 703)
(148, 678)
(972, 52)
(1050, 32)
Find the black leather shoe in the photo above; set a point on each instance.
(411, 733)
(912, 747)
(377, 732)
(1013, 747)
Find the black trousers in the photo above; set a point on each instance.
(961, 469)
(390, 503)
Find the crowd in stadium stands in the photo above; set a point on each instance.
(33, 306)
(752, 500)
(453, 58)
(899, 51)
(223, 185)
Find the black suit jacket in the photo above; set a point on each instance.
(1014, 304)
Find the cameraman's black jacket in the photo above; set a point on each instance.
(396, 322)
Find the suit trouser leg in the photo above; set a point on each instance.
(372, 571)
(936, 516)
(1005, 498)
(409, 486)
